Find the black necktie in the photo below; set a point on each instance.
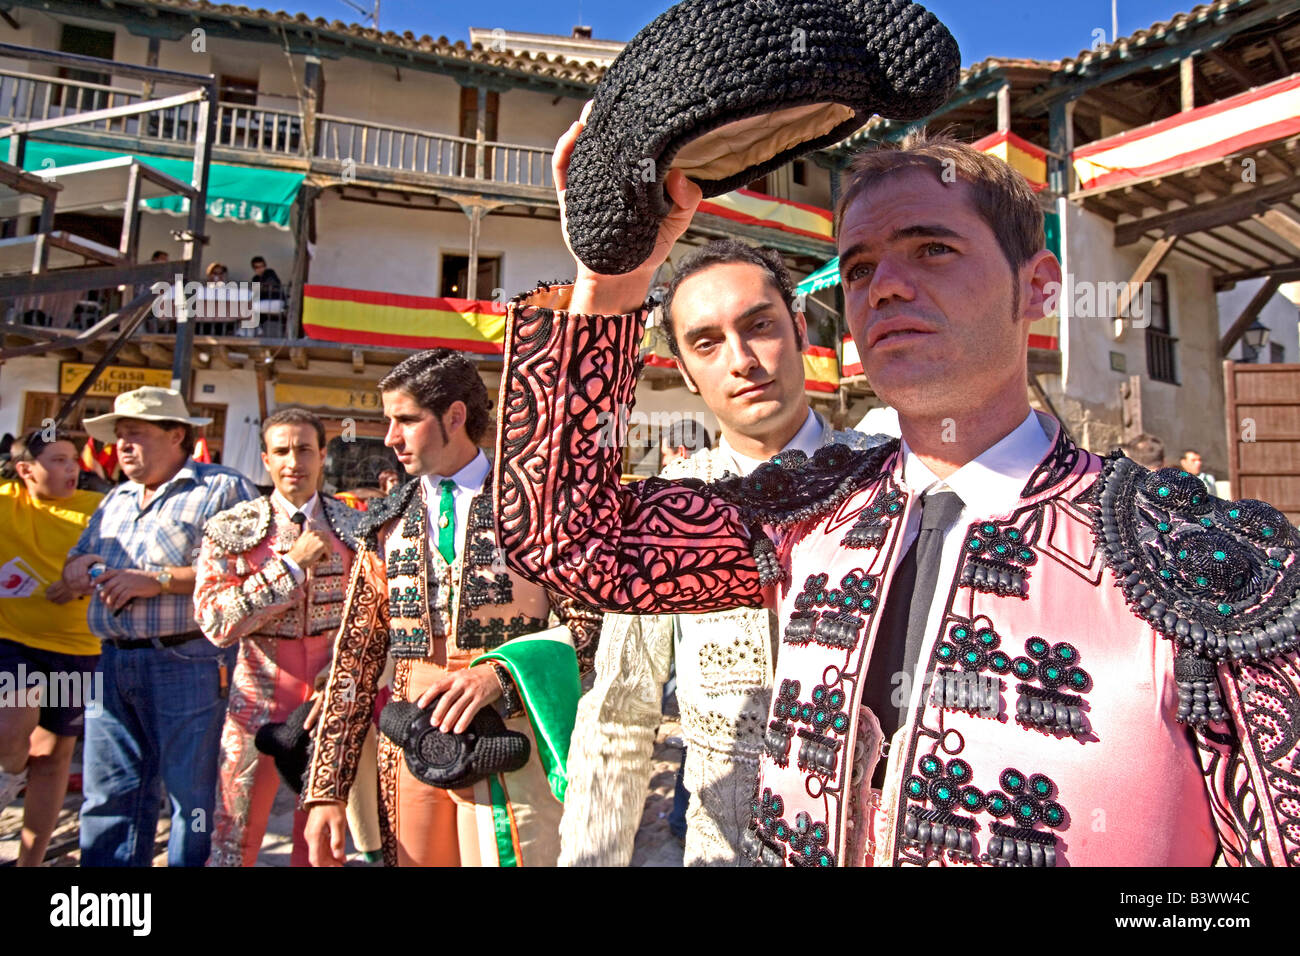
(903, 618)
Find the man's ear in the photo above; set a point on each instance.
(23, 469)
(455, 416)
(800, 331)
(686, 376)
(1040, 287)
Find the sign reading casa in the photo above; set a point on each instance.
(114, 380)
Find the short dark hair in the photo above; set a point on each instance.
(255, 260)
(30, 447)
(437, 378)
(1189, 451)
(689, 434)
(157, 253)
(294, 415)
(721, 252)
(1000, 195)
(1147, 450)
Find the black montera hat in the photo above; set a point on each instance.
(728, 90)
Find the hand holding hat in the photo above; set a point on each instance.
(726, 91)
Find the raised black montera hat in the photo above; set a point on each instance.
(728, 90)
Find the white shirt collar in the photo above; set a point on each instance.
(807, 440)
(990, 484)
(469, 479)
(289, 508)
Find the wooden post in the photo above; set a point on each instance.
(1004, 108)
(1187, 83)
(304, 208)
(311, 104)
(205, 132)
(1150, 262)
(475, 221)
(1248, 315)
(480, 136)
(150, 60)
(1061, 135)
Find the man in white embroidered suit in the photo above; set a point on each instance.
(735, 335)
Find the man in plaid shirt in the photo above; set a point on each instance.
(164, 685)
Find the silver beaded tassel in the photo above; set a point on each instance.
(1198, 690)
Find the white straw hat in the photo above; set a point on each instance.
(147, 403)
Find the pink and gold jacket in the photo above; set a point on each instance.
(1115, 677)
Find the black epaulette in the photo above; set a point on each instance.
(1219, 578)
(792, 488)
(380, 511)
(345, 522)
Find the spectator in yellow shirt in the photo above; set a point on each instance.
(47, 652)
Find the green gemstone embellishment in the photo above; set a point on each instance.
(1234, 513)
(1166, 573)
(1163, 491)
(1201, 582)
(1163, 526)
(1220, 555)
(974, 544)
(1000, 549)
(1225, 609)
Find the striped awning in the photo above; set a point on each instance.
(362, 317)
(1020, 154)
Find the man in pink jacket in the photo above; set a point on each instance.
(997, 648)
(271, 576)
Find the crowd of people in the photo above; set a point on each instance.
(886, 651)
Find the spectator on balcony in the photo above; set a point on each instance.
(217, 273)
(269, 286)
(160, 255)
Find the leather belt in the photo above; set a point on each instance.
(169, 640)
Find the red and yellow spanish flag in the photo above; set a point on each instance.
(102, 460)
(1192, 138)
(743, 205)
(1021, 155)
(821, 369)
(361, 317)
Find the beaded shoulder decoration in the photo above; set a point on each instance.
(383, 510)
(1219, 578)
(240, 528)
(792, 488)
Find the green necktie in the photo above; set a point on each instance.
(447, 521)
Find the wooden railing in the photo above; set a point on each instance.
(27, 96)
(405, 149)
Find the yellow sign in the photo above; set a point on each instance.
(361, 399)
(114, 380)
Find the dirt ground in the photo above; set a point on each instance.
(655, 844)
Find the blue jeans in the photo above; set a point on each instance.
(160, 725)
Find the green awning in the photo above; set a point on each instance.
(825, 277)
(235, 193)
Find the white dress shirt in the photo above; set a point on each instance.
(309, 511)
(807, 440)
(469, 482)
(989, 487)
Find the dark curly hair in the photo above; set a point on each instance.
(437, 378)
(721, 252)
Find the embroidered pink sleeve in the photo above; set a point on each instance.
(229, 605)
(564, 519)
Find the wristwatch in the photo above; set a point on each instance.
(164, 580)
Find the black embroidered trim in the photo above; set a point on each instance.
(789, 489)
(872, 525)
(849, 607)
(939, 830)
(1220, 579)
(1055, 468)
(403, 563)
(405, 602)
(345, 522)
(480, 590)
(997, 559)
(383, 510)
(408, 643)
(1056, 668)
(495, 631)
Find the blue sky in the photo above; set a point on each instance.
(1042, 29)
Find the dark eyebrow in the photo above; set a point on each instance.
(697, 333)
(919, 231)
